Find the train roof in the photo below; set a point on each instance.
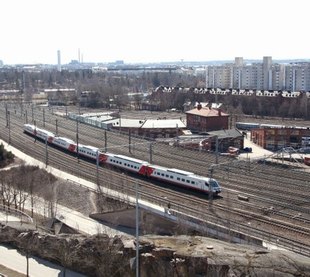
(131, 159)
(179, 171)
(65, 139)
(29, 125)
(88, 147)
(45, 132)
(173, 170)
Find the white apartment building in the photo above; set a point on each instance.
(219, 76)
(297, 77)
(262, 76)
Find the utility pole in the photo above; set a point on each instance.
(210, 193)
(43, 117)
(105, 141)
(7, 115)
(151, 152)
(46, 153)
(35, 131)
(216, 149)
(97, 167)
(32, 112)
(77, 139)
(129, 142)
(56, 127)
(137, 231)
(26, 116)
(9, 125)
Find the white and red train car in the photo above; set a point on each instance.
(64, 143)
(184, 179)
(91, 152)
(169, 175)
(39, 133)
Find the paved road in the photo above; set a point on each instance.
(10, 258)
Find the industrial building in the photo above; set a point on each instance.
(204, 119)
(277, 137)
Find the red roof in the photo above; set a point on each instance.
(207, 112)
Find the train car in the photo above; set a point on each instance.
(29, 129)
(39, 133)
(91, 152)
(247, 125)
(272, 126)
(44, 135)
(128, 163)
(65, 143)
(185, 179)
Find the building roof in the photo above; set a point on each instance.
(228, 133)
(147, 123)
(206, 112)
(163, 123)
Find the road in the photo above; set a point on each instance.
(10, 258)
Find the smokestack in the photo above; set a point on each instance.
(58, 61)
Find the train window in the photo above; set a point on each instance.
(158, 173)
(183, 180)
(192, 182)
(178, 178)
(171, 177)
(125, 164)
(167, 175)
(187, 181)
(162, 174)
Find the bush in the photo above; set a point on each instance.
(5, 156)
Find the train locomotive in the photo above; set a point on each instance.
(174, 176)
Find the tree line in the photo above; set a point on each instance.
(113, 87)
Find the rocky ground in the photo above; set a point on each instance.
(100, 255)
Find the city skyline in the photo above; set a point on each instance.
(148, 31)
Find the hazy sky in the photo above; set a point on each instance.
(152, 30)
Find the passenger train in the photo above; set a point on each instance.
(174, 176)
(250, 125)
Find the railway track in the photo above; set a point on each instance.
(233, 213)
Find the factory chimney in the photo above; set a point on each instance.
(58, 61)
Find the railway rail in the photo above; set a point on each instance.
(246, 178)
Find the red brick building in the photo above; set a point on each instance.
(205, 119)
(277, 138)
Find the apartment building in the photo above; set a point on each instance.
(297, 77)
(261, 76)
